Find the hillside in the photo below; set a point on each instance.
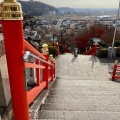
(66, 10)
(36, 8)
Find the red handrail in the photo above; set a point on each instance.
(32, 94)
(15, 47)
(33, 50)
(89, 52)
(115, 69)
(47, 72)
(31, 65)
(92, 51)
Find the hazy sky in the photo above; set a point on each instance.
(83, 3)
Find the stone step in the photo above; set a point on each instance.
(83, 88)
(81, 83)
(79, 92)
(80, 87)
(79, 115)
(81, 107)
(46, 119)
(98, 77)
(85, 93)
(84, 97)
(61, 80)
(93, 100)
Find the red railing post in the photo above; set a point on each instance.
(65, 48)
(57, 47)
(54, 68)
(38, 73)
(45, 71)
(13, 39)
(51, 70)
(114, 69)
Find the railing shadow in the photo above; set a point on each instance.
(93, 59)
(108, 60)
(73, 59)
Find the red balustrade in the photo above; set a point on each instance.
(92, 51)
(115, 70)
(47, 74)
(15, 47)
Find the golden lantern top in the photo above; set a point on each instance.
(53, 60)
(51, 57)
(45, 49)
(11, 10)
(116, 62)
(45, 46)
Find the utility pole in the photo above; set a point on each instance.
(117, 17)
(61, 37)
(53, 39)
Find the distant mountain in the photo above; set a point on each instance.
(66, 10)
(36, 8)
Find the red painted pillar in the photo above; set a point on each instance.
(65, 48)
(51, 71)
(13, 39)
(38, 73)
(57, 47)
(114, 69)
(45, 71)
(54, 69)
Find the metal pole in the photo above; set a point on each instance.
(117, 17)
(61, 37)
(53, 39)
(27, 54)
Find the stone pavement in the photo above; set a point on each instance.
(83, 90)
(83, 67)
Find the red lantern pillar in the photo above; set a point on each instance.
(38, 73)
(45, 71)
(114, 69)
(54, 68)
(14, 48)
(51, 70)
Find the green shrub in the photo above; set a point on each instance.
(117, 43)
(49, 44)
(103, 53)
(52, 50)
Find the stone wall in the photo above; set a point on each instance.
(2, 51)
(5, 95)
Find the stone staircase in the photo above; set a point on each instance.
(83, 90)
